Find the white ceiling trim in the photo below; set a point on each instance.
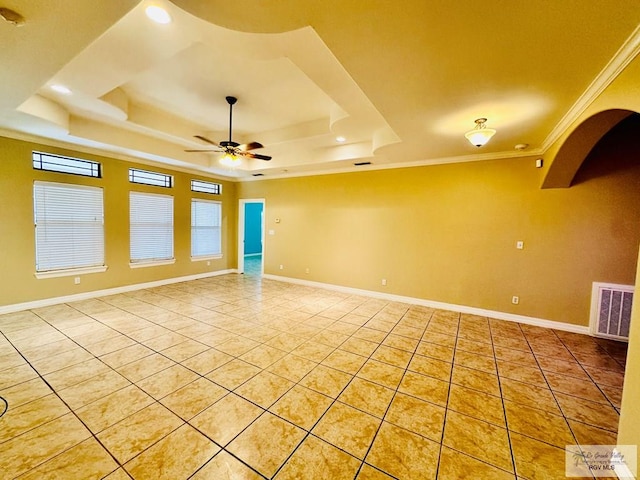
(627, 52)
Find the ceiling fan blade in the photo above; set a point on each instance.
(254, 155)
(229, 146)
(205, 139)
(250, 146)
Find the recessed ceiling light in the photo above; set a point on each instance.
(341, 139)
(61, 89)
(158, 14)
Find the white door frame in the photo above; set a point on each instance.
(241, 205)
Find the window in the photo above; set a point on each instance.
(151, 228)
(150, 178)
(205, 228)
(206, 187)
(69, 225)
(58, 163)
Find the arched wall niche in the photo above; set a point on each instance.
(579, 143)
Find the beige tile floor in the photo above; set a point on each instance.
(234, 377)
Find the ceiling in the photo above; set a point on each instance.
(401, 84)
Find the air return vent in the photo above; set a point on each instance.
(611, 310)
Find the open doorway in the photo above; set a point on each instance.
(251, 236)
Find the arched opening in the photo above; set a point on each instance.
(577, 146)
(605, 147)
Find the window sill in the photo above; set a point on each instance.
(68, 272)
(206, 257)
(152, 263)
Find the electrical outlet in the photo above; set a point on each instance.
(208, 263)
(519, 244)
(76, 280)
(281, 267)
(384, 282)
(306, 270)
(515, 300)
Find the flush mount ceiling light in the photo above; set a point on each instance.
(158, 14)
(230, 160)
(341, 139)
(480, 135)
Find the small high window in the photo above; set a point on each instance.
(146, 177)
(58, 163)
(206, 187)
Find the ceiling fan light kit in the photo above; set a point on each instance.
(232, 151)
(230, 160)
(480, 135)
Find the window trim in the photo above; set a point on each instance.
(151, 263)
(202, 258)
(69, 272)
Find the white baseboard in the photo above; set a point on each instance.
(511, 317)
(539, 322)
(46, 302)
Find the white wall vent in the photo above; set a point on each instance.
(611, 310)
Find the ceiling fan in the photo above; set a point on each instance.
(231, 150)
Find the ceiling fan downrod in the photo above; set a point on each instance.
(231, 101)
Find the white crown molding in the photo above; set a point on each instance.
(47, 302)
(625, 54)
(510, 317)
(390, 166)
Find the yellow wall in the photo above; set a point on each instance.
(448, 233)
(629, 430)
(17, 243)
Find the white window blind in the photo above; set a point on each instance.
(151, 227)
(205, 228)
(69, 224)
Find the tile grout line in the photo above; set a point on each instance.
(587, 372)
(446, 410)
(502, 400)
(299, 300)
(54, 391)
(553, 393)
(157, 401)
(406, 369)
(309, 432)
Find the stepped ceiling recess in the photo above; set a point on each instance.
(400, 82)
